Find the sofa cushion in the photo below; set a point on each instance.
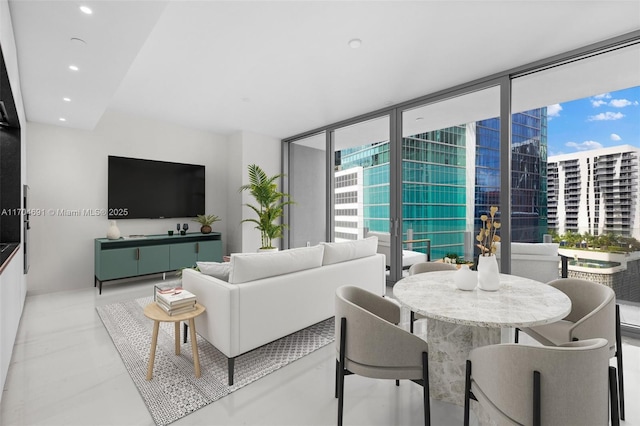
(349, 250)
(254, 266)
(215, 269)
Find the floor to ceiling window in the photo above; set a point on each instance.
(425, 172)
(450, 170)
(591, 142)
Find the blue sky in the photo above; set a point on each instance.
(601, 121)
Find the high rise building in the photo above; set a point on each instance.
(595, 191)
(438, 203)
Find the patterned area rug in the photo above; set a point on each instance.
(174, 392)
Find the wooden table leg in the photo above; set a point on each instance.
(194, 347)
(152, 355)
(177, 336)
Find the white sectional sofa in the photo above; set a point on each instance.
(271, 295)
(538, 261)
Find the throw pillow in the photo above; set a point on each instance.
(215, 269)
(349, 250)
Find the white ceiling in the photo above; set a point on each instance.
(281, 67)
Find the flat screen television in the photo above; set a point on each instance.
(148, 189)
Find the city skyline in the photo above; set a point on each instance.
(600, 121)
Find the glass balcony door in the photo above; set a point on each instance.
(450, 174)
(361, 183)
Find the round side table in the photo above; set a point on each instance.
(155, 313)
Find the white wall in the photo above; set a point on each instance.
(68, 170)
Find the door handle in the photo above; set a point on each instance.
(197, 247)
(137, 254)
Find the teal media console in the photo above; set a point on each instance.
(151, 254)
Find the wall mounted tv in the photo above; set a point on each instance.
(147, 189)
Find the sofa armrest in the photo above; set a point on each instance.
(219, 323)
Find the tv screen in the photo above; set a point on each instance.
(147, 189)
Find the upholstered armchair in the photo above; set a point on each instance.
(537, 261)
(541, 385)
(369, 343)
(593, 314)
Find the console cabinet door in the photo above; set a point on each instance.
(118, 263)
(210, 251)
(153, 259)
(183, 255)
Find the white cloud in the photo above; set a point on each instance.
(621, 103)
(584, 146)
(553, 111)
(606, 116)
(597, 103)
(615, 137)
(603, 96)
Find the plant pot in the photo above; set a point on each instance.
(205, 229)
(488, 273)
(267, 249)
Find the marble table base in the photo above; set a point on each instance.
(449, 347)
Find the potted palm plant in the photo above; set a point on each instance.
(270, 205)
(206, 221)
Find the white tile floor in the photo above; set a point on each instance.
(66, 371)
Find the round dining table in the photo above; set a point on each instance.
(459, 320)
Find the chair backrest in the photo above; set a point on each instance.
(573, 382)
(423, 267)
(372, 338)
(592, 300)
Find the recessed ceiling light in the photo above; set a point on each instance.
(355, 43)
(62, 119)
(66, 99)
(73, 68)
(86, 10)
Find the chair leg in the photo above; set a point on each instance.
(425, 389)
(230, 367)
(537, 412)
(337, 376)
(517, 335)
(412, 318)
(343, 339)
(619, 359)
(184, 334)
(467, 393)
(613, 396)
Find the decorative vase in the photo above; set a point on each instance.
(465, 279)
(488, 273)
(113, 233)
(205, 229)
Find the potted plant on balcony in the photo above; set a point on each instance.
(270, 205)
(206, 221)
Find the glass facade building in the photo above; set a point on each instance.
(434, 180)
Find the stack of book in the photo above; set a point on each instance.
(175, 301)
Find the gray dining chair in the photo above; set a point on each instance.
(594, 313)
(421, 268)
(542, 385)
(369, 343)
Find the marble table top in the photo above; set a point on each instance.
(520, 302)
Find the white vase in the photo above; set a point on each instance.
(465, 279)
(113, 233)
(488, 273)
